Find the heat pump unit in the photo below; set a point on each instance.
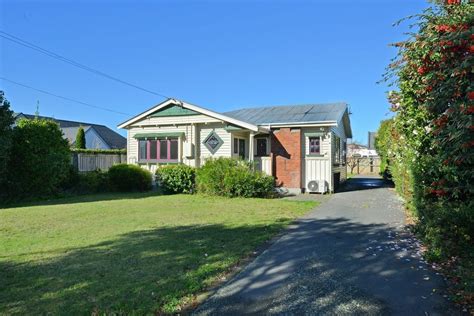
(318, 186)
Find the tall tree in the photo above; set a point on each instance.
(80, 138)
(6, 123)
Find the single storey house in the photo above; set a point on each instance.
(97, 136)
(302, 146)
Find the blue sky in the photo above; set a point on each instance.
(222, 55)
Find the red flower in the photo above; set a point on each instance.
(442, 28)
(422, 70)
(446, 162)
(429, 88)
(470, 109)
(471, 49)
(470, 96)
(451, 2)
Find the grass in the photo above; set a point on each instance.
(127, 253)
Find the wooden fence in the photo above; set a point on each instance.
(363, 165)
(84, 162)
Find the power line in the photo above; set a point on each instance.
(65, 98)
(24, 43)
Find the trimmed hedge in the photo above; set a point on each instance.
(176, 179)
(39, 161)
(99, 151)
(125, 178)
(232, 178)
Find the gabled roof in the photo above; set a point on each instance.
(113, 139)
(306, 113)
(329, 114)
(191, 107)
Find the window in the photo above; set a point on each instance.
(153, 149)
(162, 150)
(236, 145)
(261, 147)
(142, 149)
(337, 151)
(174, 149)
(344, 152)
(242, 148)
(314, 145)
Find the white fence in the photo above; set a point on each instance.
(96, 161)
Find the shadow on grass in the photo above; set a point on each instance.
(150, 271)
(141, 272)
(72, 199)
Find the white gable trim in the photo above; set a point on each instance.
(190, 107)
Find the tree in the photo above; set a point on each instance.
(6, 123)
(42, 159)
(80, 138)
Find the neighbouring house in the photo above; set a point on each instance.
(302, 146)
(97, 136)
(360, 151)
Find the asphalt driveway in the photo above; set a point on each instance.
(352, 255)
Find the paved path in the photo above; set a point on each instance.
(352, 255)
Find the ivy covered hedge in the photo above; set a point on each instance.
(427, 147)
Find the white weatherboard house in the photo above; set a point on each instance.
(302, 146)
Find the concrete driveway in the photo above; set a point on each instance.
(352, 255)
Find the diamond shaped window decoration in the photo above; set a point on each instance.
(213, 142)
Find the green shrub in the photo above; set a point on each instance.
(125, 178)
(40, 159)
(176, 178)
(92, 182)
(6, 122)
(232, 178)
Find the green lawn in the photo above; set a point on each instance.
(127, 253)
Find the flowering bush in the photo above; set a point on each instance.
(428, 145)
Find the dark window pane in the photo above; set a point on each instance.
(142, 150)
(261, 147)
(163, 149)
(314, 145)
(242, 148)
(174, 149)
(153, 149)
(236, 145)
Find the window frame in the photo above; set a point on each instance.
(159, 144)
(319, 138)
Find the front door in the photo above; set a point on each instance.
(242, 148)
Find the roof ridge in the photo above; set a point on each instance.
(58, 119)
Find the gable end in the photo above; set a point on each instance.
(173, 110)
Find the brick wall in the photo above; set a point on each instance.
(286, 155)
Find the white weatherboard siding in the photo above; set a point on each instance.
(339, 131)
(224, 150)
(172, 120)
(317, 167)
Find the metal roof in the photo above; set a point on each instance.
(290, 113)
